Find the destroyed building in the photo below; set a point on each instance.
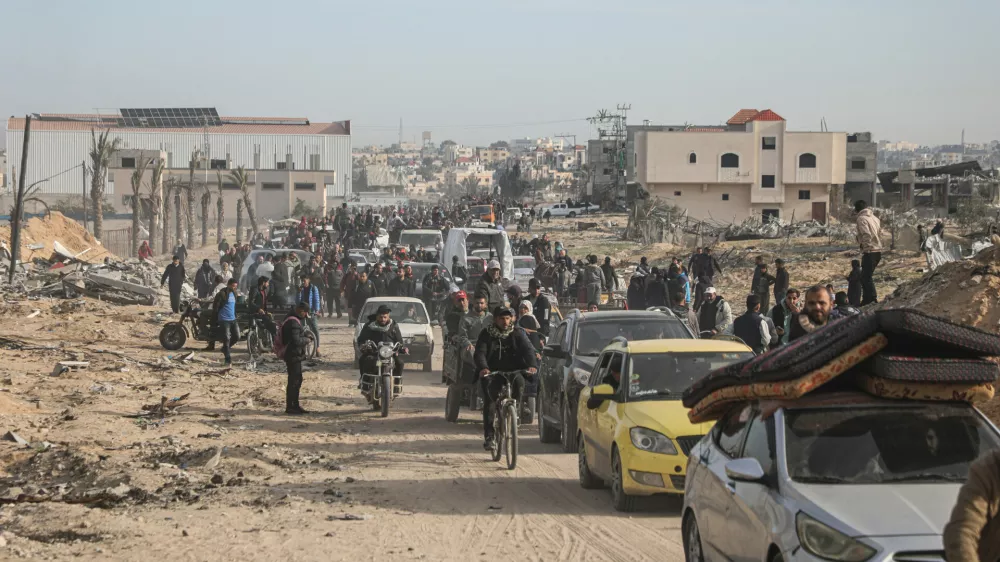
(862, 159)
(939, 191)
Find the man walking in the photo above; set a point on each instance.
(763, 287)
(593, 279)
(203, 279)
(542, 307)
(294, 352)
(780, 281)
(181, 251)
(869, 228)
(225, 308)
(174, 274)
(610, 276)
(752, 328)
(309, 294)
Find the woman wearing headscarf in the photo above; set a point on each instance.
(527, 321)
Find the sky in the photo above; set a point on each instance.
(476, 72)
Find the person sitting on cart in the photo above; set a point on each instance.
(257, 305)
(206, 322)
(502, 347)
(592, 306)
(380, 328)
(454, 317)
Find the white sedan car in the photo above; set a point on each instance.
(411, 316)
(524, 270)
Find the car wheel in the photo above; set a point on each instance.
(427, 366)
(572, 214)
(546, 433)
(587, 479)
(778, 557)
(622, 501)
(452, 402)
(568, 428)
(692, 540)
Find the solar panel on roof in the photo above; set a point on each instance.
(169, 117)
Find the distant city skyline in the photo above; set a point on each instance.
(476, 74)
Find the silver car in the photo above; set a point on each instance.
(850, 478)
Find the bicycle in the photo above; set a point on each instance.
(259, 339)
(505, 421)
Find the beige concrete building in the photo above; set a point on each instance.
(489, 155)
(275, 193)
(753, 166)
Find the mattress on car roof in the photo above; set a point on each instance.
(933, 369)
(936, 335)
(790, 361)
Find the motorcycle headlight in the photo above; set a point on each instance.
(651, 441)
(828, 543)
(581, 375)
(385, 352)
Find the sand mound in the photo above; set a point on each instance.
(11, 405)
(57, 227)
(964, 292)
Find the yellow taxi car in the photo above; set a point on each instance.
(634, 433)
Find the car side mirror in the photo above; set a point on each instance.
(554, 351)
(599, 395)
(745, 470)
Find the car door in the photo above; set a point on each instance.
(727, 441)
(551, 378)
(587, 419)
(747, 513)
(608, 415)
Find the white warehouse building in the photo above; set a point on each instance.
(60, 142)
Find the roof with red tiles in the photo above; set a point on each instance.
(742, 117)
(248, 125)
(705, 130)
(767, 115)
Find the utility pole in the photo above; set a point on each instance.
(15, 219)
(83, 165)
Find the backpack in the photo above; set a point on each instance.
(280, 346)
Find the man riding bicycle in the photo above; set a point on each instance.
(502, 347)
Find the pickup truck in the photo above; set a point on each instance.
(564, 210)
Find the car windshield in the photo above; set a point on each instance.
(592, 337)
(401, 312)
(522, 262)
(475, 266)
(664, 376)
(871, 445)
(419, 239)
(420, 270)
(480, 210)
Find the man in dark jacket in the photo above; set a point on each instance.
(433, 288)
(332, 276)
(174, 273)
(379, 328)
(752, 328)
(489, 286)
(458, 271)
(363, 290)
(656, 290)
(398, 285)
(542, 307)
(203, 279)
(709, 265)
(780, 281)
(380, 279)
(257, 305)
(818, 307)
(783, 313)
(636, 294)
(502, 347)
(610, 276)
(763, 287)
(295, 352)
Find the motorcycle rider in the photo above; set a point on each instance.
(502, 346)
(434, 287)
(380, 328)
(489, 286)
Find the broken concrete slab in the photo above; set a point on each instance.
(13, 437)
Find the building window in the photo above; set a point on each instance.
(857, 163)
(730, 160)
(767, 181)
(280, 166)
(725, 197)
(229, 186)
(217, 164)
(128, 162)
(852, 138)
(807, 160)
(677, 194)
(607, 171)
(768, 214)
(305, 187)
(805, 194)
(768, 143)
(692, 158)
(274, 186)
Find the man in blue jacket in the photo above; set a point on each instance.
(225, 308)
(309, 294)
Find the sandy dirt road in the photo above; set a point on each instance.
(422, 488)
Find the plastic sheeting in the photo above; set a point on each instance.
(456, 245)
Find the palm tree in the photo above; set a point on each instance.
(102, 150)
(168, 191)
(140, 170)
(470, 184)
(239, 221)
(189, 195)
(220, 215)
(242, 180)
(155, 200)
(206, 200)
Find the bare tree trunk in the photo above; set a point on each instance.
(180, 214)
(168, 191)
(206, 200)
(190, 215)
(135, 225)
(220, 218)
(155, 203)
(251, 214)
(239, 221)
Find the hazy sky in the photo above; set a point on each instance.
(475, 72)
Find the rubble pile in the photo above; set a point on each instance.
(39, 238)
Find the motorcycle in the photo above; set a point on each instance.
(173, 335)
(382, 386)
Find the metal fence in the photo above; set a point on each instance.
(118, 242)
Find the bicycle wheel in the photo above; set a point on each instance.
(496, 450)
(386, 393)
(510, 434)
(253, 343)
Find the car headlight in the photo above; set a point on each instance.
(420, 338)
(651, 441)
(826, 542)
(385, 352)
(581, 375)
